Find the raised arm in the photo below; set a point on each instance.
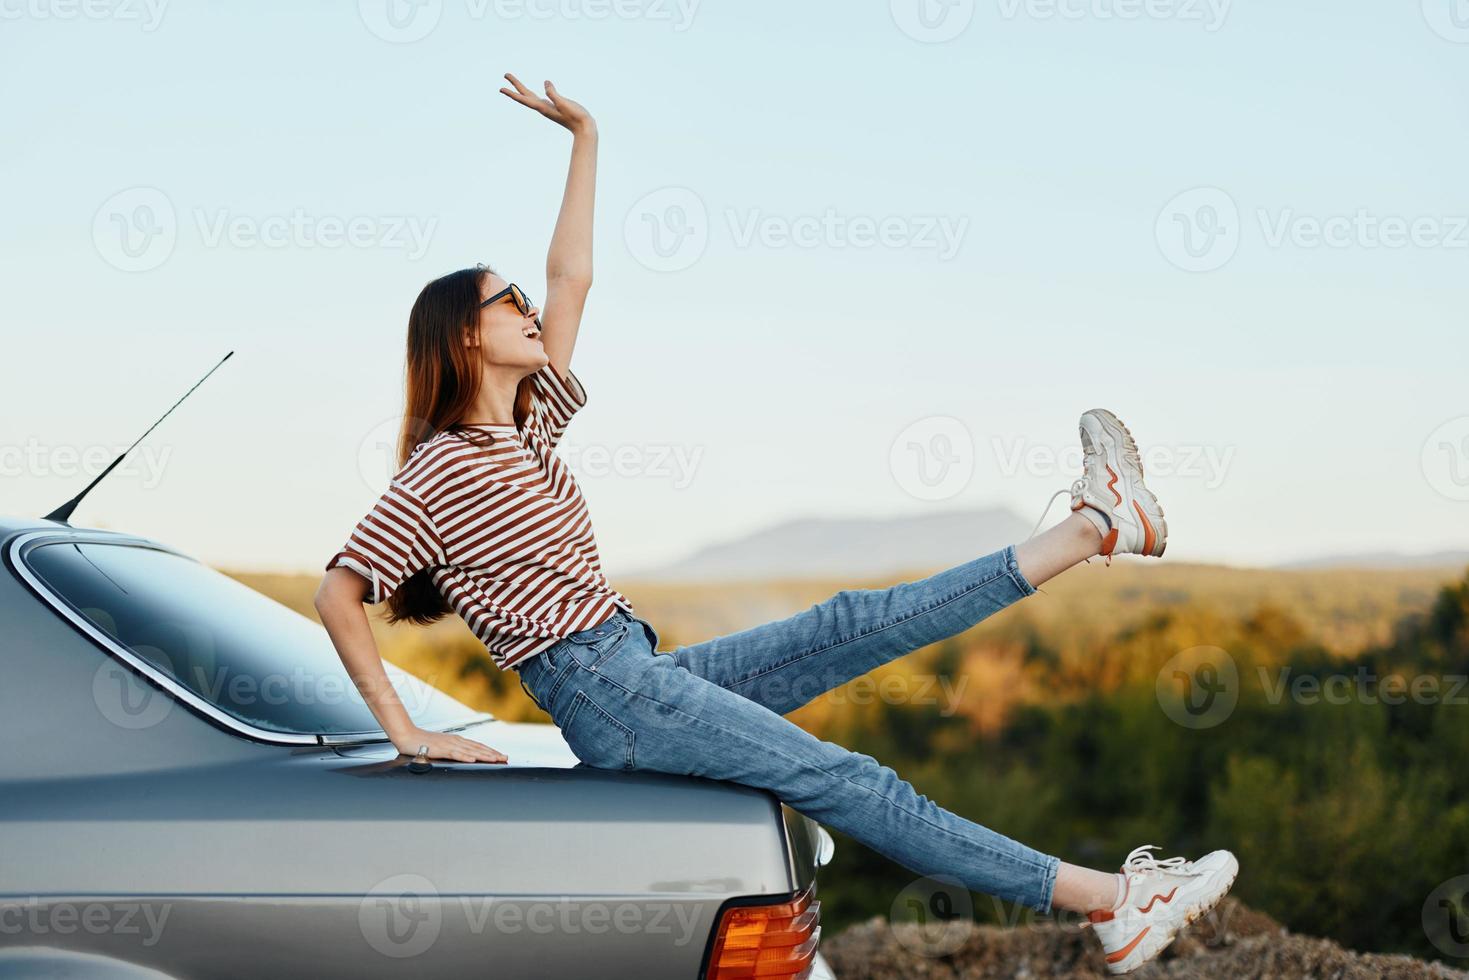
(569, 260)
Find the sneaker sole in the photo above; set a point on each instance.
(1191, 915)
(1156, 520)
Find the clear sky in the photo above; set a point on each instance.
(852, 259)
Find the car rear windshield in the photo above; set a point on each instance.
(253, 658)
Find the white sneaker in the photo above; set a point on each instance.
(1161, 898)
(1112, 495)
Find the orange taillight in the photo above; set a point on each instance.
(772, 942)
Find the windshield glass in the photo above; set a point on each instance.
(250, 656)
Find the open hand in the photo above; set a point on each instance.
(442, 745)
(554, 106)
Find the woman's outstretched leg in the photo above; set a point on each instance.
(785, 664)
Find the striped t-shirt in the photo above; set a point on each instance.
(503, 527)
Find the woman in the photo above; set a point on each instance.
(485, 520)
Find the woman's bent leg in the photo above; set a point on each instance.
(680, 723)
(785, 664)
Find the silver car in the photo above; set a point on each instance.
(192, 788)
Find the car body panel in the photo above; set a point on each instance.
(235, 857)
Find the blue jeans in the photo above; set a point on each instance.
(713, 709)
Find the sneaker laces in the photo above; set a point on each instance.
(1140, 861)
(1076, 488)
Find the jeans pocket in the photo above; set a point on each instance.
(597, 738)
(591, 648)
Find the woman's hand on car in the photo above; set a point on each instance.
(442, 745)
(555, 106)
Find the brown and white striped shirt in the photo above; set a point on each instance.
(503, 528)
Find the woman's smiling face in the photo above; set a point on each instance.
(507, 337)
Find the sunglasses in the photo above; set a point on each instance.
(522, 301)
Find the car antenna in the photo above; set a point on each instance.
(62, 514)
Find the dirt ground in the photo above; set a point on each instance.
(1232, 943)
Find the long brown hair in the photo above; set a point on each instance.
(441, 378)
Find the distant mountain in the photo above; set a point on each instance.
(1384, 559)
(817, 547)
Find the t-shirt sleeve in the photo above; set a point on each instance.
(393, 541)
(557, 399)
